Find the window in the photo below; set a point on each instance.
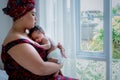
(116, 39)
(116, 28)
(91, 25)
(91, 28)
(94, 43)
(84, 27)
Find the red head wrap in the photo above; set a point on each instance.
(18, 8)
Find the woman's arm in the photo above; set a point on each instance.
(26, 55)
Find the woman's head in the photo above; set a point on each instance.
(28, 20)
(18, 8)
(36, 33)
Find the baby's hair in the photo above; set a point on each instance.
(35, 28)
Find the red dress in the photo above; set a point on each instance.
(17, 72)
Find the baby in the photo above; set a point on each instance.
(56, 53)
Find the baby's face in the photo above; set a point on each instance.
(37, 36)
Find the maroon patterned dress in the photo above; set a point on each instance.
(17, 72)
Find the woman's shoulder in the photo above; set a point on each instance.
(17, 40)
(15, 37)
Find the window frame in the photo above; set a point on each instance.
(80, 53)
(107, 46)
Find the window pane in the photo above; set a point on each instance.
(115, 69)
(116, 39)
(91, 70)
(116, 7)
(91, 25)
(116, 28)
(116, 36)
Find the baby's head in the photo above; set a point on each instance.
(36, 33)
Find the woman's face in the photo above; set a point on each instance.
(37, 36)
(29, 19)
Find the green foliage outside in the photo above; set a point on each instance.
(95, 70)
(98, 40)
(116, 37)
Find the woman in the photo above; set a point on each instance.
(24, 60)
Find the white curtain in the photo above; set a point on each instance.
(57, 19)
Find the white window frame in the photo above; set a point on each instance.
(107, 50)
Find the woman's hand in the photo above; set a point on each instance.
(52, 60)
(55, 61)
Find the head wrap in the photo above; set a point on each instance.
(18, 8)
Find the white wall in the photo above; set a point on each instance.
(5, 24)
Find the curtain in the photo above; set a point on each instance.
(57, 19)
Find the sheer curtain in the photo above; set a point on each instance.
(57, 19)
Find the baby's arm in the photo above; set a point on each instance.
(45, 43)
(62, 50)
(54, 46)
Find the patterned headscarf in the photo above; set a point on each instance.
(18, 8)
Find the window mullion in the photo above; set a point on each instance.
(108, 38)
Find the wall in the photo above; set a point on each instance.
(5, 23)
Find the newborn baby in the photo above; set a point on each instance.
(56, 52)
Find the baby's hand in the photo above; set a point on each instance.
(36, 43)
(62, 50)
